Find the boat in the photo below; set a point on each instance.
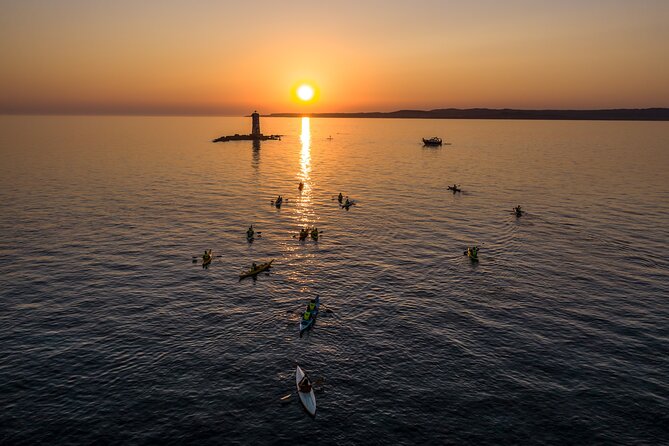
(434, 141)
(206, 260)
(304, 325)
(308, 399)
(258, 269)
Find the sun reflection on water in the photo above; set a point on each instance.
(304, 175)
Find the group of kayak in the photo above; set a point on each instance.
(345, 203)
(306, 232)
(304, 386)
(473, 253)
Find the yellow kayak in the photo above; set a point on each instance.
(259, 268)
(206, 260)
(472, 254)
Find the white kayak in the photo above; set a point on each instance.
(308, 399)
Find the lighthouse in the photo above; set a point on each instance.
(255, 133)
(255, 129)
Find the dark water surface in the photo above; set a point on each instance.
(109, 334)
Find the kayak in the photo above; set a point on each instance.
(308, 399)
(471, 255)
(314, 314)
(454, 189)
(207, 260)
(259, 268)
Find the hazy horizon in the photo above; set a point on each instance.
(227, 59)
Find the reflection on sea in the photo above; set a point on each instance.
(305, 210)
(255, 160)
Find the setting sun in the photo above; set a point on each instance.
(305, 92)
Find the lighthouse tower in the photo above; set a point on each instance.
(255, 130)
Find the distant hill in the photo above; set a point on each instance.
(621, 114)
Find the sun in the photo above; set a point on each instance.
(305, 92)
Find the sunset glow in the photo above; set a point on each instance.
(362, 56)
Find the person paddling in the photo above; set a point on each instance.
(340, 198)
(304, 386)
(301, 186)
(250, 232)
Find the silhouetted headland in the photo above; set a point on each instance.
(255, 134)
(621, 114)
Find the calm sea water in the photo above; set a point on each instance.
(110, 334)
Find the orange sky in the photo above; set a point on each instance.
(222, 57)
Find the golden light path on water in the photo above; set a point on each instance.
(305, 209)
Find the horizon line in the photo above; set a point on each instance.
(399, 113)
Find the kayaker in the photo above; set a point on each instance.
(301, 186)
(307, 314)
(304, 385)
(254, 266)
(340, 198)
(314, 232)
(312, 304)
(250, 231)
(206, 255)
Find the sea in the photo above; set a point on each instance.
(112, 331)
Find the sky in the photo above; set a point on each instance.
(231, 57)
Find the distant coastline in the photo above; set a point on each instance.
(620, 114)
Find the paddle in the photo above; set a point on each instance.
(328, 310)
(196, 258)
